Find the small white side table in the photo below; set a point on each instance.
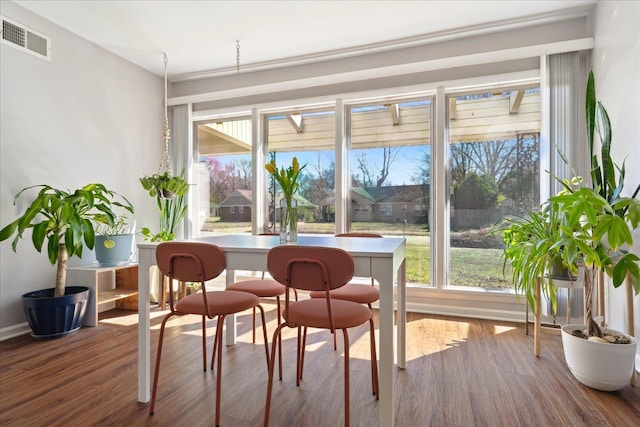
(110, 287)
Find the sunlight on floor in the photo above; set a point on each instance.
(129, 319)
(499, 329)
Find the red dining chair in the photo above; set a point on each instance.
(356, 292)
(264, 288)
(199, 262)
(362, 294)
(315, 269)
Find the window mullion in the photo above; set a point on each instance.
(439, 195)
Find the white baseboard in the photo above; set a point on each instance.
(478, 313)
(14, 331)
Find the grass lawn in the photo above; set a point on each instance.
(469, 266)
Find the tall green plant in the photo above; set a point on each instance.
(65, 220)
(603, 170)
(616, 214)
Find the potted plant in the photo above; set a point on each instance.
(65, 220)
(169, 192)
(165, 185)
(114, 243)
(599, 226)
(533, 252)
(586, 227)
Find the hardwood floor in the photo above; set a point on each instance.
(460, 372)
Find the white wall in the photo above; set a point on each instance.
(85, 116)
(616, 67)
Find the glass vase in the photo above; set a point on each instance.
(288, 220)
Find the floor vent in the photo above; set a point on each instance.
(25, 39)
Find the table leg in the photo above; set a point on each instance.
(384, 274)
(231, 318)
(145, 259)
(402, 316)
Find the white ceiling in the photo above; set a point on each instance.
(199, 37)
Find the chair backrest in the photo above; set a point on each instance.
(190, 261)
(358, 234)
(310, 268)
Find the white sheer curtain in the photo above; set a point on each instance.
(567, 80)
(183, 158)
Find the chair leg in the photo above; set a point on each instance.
(303, 350)
(254, 325)
(267, 408)
(219, 370)
(264, 331)
(204, 343)
(280, 357)
(299, 355)
(374, 360)
(279, 341)
(219, 327)
(157, 371)
(346, 377)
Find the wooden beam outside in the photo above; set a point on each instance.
(515, 99)
(296, 122)
(395, 114)
(452, 108)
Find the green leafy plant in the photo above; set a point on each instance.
(593, 234)
(120, 226)
(532, 250)
(65, 220)
(169, 192)
(600, 211)
(581, 226)
(165, 185)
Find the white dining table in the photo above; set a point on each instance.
(382, 259)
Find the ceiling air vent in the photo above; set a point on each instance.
(25, 39)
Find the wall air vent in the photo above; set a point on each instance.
(25, 39)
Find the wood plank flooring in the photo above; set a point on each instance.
(460, 372)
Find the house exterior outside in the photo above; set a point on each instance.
(236, 207)
(397, 203)
(394, 203)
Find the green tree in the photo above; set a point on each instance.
(476, 192)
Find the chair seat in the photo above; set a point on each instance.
(259, 287)
(362, 294)
(314, 314)
(220, 303)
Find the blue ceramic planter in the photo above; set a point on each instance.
(55, 317)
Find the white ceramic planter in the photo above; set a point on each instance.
(606, 367)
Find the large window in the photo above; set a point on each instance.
(492, 166)
(494, 151)
(390, 164)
